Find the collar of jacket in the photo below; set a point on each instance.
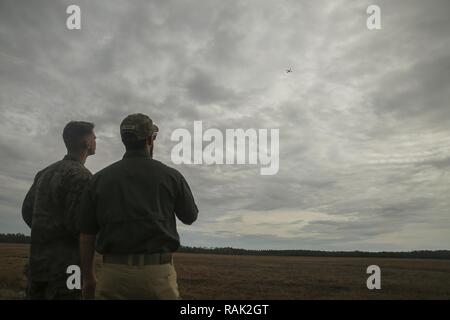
(71, 157)
(137, 154)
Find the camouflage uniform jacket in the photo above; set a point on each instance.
(51, 210)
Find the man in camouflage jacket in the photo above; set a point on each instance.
(51, 208)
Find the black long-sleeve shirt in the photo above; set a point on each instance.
(131, 205)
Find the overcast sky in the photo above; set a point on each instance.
(364, 117)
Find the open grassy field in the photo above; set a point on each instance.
(203, 276)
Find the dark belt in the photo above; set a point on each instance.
(138, 259)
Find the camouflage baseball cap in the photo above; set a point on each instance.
(139, 125)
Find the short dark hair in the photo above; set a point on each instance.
(131, 142)
(74, 132)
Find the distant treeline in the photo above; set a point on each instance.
(420, 254)
(14, 238)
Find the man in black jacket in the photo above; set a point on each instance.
(130, 207)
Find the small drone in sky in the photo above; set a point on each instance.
(289, 70)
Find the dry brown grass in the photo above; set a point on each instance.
(205, 276)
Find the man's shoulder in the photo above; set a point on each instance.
(51, 169)
(117, 166)
(165, 168)
(73, 168)
(113, 167)
(63, 173)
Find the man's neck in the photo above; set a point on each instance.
(144, 152)
(79, 156)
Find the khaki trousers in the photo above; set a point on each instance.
(147, 282)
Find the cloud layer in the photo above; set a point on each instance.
(363, 119)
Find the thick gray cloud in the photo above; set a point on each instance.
(363, 119)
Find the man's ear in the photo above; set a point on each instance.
(150, 140)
